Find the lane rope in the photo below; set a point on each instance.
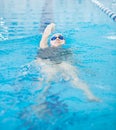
(107, 11)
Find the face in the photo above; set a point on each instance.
(57, 40)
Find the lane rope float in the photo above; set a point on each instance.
(107, 11)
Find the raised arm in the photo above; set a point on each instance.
(46, 33)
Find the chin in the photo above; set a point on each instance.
(57, 43)
(60, 42)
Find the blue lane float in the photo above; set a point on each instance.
(107, 11)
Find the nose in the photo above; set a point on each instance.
(57, 38)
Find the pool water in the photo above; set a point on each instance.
(90, 34)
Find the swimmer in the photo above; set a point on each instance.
(53, 60)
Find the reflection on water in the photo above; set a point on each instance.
(27, 18)
(21, 18)
(47, 15)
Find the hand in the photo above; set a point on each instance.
(49, 29)
(51, 26)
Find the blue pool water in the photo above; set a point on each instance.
(91, 35)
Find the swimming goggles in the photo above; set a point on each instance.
(59, 37)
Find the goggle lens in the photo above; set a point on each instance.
(59, 37)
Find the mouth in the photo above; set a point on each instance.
(58, 42)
